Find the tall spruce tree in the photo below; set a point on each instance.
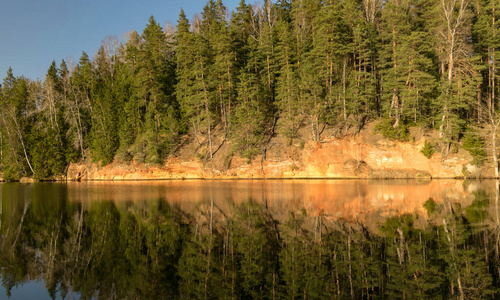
(223, 64)
(154, 86)
(332, 46)
(363, 90)
(408, 76)
(133, 110)
(184, 55)
(103, 135)
(287, 99)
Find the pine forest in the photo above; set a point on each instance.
(303, 69)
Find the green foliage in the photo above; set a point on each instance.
(15, 126)
(11, 167)
(477, 212)
(248, 117)
(286, 86)
(428, 149)
(48, 160)
(309, 65)
(241, 249)
(400, 133)
(430, 206)
(474, 143)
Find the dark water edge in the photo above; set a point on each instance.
(251, 239)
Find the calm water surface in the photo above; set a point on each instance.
(250, 239)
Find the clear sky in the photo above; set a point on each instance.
(33, 33)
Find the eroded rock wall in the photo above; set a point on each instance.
(347, 157)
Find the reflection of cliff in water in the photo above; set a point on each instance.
(362, 200)
(252, 239)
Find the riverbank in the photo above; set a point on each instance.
(364, 155)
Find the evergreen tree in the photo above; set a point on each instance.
(122, 90)
(303, 14)
(249, 115)
(223, 64)
(239, 28)
(256, 85)
(408, 75)
(331, 50)
(155, 86)
(287, 99)
(194, 93)
(104, 133)
(14, 110)
(485, 33)
(133, 111)
(151, 122)
(363, 90)
(184, 54)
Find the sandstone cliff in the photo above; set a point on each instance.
(365, 155)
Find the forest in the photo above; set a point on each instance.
(275, 68)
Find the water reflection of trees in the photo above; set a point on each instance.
(154, 250)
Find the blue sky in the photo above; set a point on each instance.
(35, 32)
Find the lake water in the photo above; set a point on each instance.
(274, 239)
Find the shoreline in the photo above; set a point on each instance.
(418, 180)
(232, 178)
(363, 156)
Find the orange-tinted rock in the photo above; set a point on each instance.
(27, 180)
(348, 157)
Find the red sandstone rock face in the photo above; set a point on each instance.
(348, 157)
(352, 158)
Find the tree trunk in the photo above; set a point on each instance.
(344, 80)
(350, 265)
(493, 63)
(228, 118)
(207, 111)
(395, 105)
(494, 150)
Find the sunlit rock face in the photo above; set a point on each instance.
(354, 158)
(348, 157)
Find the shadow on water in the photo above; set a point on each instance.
(251, 239)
